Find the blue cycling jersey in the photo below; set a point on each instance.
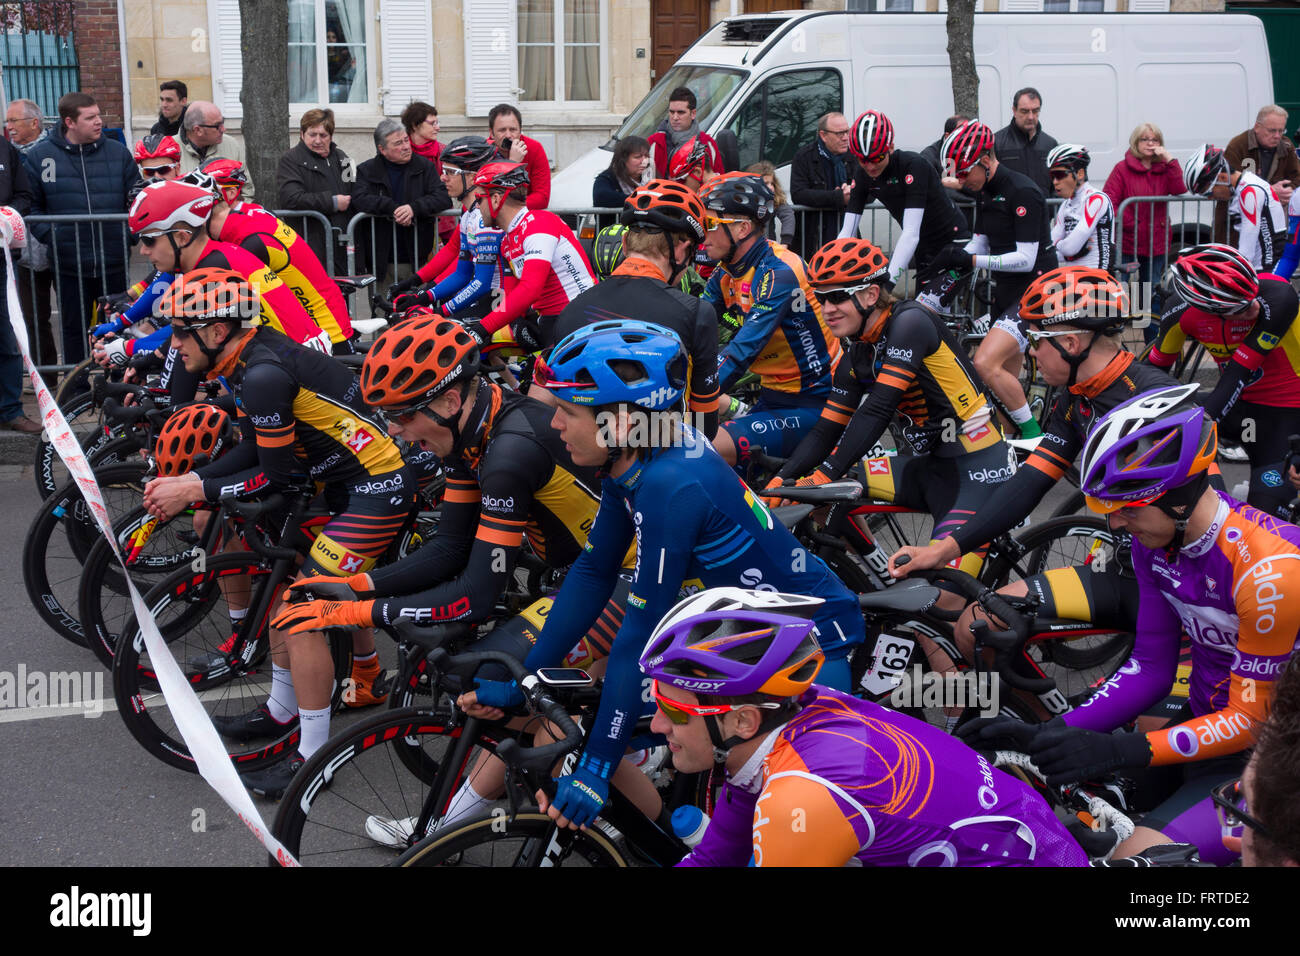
(696, 525)
(478, 268)
(142, 307)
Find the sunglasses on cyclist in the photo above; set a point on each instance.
(962, 176)
(153, 172)
(1035, 336)
(404, 416)
(192, 329)
(714, 222)
(544, 376)
(680, 713)
(148, 239)
(837, 296)
(1061, 174)
(1229, 804)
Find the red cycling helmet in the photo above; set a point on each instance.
(503, 177)
(163, 207)
(230, 176)
(1214, 278)
(688, 159)
(157, 146)
(964, 145)
(872, 138)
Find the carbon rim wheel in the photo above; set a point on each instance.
(496, 841)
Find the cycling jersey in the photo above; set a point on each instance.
(269, 238)
(1232, 592)
(638, 290)
(914, 369)
(1083, 228)
(1285, 267)
(1073, 412)
(909, 187)
(516, 480)
(478, 265)
(303, 420)
(783, 340)
(543, 268)
(1011, 236)
(1256, 219)
(695, 525)
(871, 787)
(1259, 359)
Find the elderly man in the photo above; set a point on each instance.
(1022, 145)
(404, 187)
(173, 100)
(204, 137)
(821, 176)
(1266, 151)
(25, 127)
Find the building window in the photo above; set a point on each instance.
(329, 52)
(559, 50)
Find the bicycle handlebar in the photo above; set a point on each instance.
(251, 511)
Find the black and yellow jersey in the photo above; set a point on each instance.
(303, 421)
(912, 367)
(514, 479)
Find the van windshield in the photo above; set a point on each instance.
(712, 86)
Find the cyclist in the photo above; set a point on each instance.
(1248, 323)
(900, 360)
(1207, 566)
(1255, 217)
(694, 163)
(608, 252)
(1073, 316)
(908, 186)
(302, 422)
(466, 270)
(1013, 243)
(543, 266)
(159, 157)
(663, 222)
(226, 177)
(692, 521)
(868, 786)
(1085, 223)
(1270, 815)
(782, 338)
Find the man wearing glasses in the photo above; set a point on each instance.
(821, 176)
(1021, 144)
(204, 137)
(24, 126)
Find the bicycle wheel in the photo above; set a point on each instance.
(361, 772)
(83, 416)
(60, 539)
(103, 604)
(1076, 664)
(495, 840)
(76, 381)
(193, 615)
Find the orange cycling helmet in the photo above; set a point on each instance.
(204, 296)
(667, 205)
(199, 429)
(415, 361)
(1086, 298)
(847, 264)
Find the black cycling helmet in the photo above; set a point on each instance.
(742, 193)
(468, 154)
(607, 251)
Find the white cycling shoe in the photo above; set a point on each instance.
(389, 832)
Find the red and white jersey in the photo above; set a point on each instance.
(543, 268)
(1255, 215)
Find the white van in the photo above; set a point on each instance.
(767, 78)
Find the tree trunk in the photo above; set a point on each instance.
(961, 57)
(264, 47)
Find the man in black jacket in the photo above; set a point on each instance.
(821, 176)
(173, 100)
(319, 176)
(80, 171)
(16, 193)
(404, 187)
(1022, 145)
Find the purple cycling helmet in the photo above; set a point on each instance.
(1153, 443)
(732, 642)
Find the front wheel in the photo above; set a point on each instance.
(495, 840)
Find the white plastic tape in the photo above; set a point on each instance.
(191, 719)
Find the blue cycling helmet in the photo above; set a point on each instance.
(580, 370)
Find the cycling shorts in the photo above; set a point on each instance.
(1188, 815)
(1267, 447)
(776, 431)
(365, 523)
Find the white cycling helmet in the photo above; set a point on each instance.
(1068, 156)
(1202, 169)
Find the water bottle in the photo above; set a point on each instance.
(689, 824)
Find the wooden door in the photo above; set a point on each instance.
(674, 25)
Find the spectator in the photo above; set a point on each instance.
(204, 137)
(931, 153)
(173, 100)
(628, 170)
(506, 128)
(1266, 151)
(399, 185)
(821, 176)
(79, 171)
(317, 175)
(1268, 787)
(15, 193)
(25, 128)
(676, 130)
(421, 122)
(1022, 145)
(781, 226)
(1147, 169)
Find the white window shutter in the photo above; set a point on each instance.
(406, 32)
(491, 56)
(1020, 6)
(1148, 6)
(227, 61)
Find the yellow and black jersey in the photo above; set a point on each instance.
(914, 369)
(303, 421)
(516, 479)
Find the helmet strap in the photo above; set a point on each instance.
(1074, 361)
(1179, 503)
(721, 748)
(452, 423)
